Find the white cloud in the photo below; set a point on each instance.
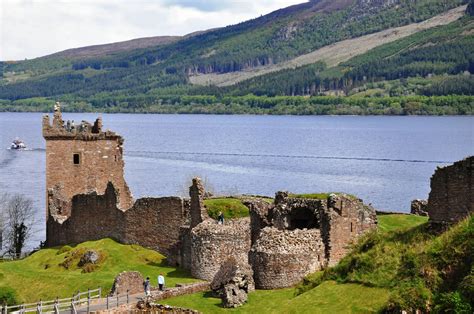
(33, 28)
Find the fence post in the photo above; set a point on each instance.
(72, 304)
(23, 308)
(39, 310)
(56, 306)
(128, 297)
(88, 299)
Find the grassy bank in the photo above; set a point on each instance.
(54, 272)
(421, 269)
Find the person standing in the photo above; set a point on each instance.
(161, 282)
(146, 286)
(220, 218)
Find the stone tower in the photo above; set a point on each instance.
(81, 159)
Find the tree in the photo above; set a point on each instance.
(16, 222)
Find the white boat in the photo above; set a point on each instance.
(17, 144)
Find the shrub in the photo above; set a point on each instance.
(8, 296)
(452, 302)
(410, 296)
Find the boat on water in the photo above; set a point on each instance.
(17, 144)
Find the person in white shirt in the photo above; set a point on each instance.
(161, 282)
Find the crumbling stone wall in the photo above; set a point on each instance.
(213, 244)
(281, 258)
(344, 218)
(452, 196)
(419, 207)
(296, 236)
(150, 222)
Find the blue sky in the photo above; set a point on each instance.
(33, 28)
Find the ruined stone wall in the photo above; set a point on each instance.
(281, 258)
(344, 219)
(155, 223)
(151, 222)
(93, 217)
(451, 198)
(213, 244)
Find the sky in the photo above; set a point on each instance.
(34, 28)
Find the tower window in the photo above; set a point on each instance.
(76, 159)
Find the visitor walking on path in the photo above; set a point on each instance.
(161, 282)
(146, 286)
(220, 218)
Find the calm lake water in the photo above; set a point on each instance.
(386, 161)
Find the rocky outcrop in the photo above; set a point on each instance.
(131, 281)
(419, 207)
(233, 282)
(89, 257)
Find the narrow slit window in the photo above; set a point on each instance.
(76, 159)
(351, 227)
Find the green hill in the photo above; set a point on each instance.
(54, 272)
(157, 78)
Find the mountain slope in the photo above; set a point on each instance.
(441, 50)
(301, 34)
(106, 49)
(333, 54)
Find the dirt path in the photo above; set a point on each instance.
(333, 54)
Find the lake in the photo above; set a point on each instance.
(386, 161)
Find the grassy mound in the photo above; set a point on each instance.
(320, 196)
(422, 270)
(57, 272)
(230, 207)
(394, 222)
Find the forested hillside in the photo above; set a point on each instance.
(434, 62)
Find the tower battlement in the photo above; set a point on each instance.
(68, 130)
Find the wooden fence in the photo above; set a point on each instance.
(79, 302)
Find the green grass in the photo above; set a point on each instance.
(318, 196)
(394, 222)
(40, 276)
(230, 207)
(417, 265)
(327, 298)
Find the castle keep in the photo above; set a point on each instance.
(82, 159)
(88, 199)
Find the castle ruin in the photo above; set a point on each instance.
(88, 199)
(452, 195)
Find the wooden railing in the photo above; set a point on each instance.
(79, 302)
